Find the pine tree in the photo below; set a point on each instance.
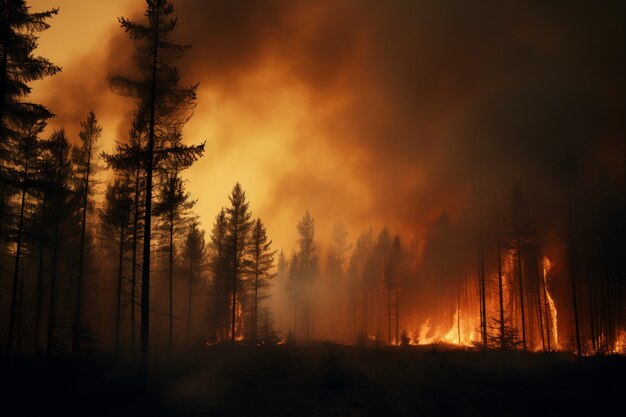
(261, 262)
(127, 160)
(219, 267)
(18, 67)
(171, 207)
(83, 157)
(193, 258)
(115, 218)
(304, 271)
(163, 107)
(337, 254)
(58, 173)
(238, 234)
(23, 158)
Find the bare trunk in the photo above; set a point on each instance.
(18, 255)
(521, 290)
(53, 278)
(189, 299)
(171, 284)
(592, 327)
(119, 291)
(235, 267)
(540, 316)
(546, 307)
(81, 255)
(397, 308)
(145, 273)
(389, 309)
(483, 305)
(500, 288)
(133, 278)
(39, 296)
(572, 274)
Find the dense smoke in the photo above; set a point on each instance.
(390, 113)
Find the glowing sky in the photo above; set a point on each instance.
(365, 112)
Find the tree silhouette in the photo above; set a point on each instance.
(304, 271)
(237, 238)
(163, 107)
(83, 157)
(58, 172)
(127, 160)
(171, 206)
(520, 237)
(193, 257)
(220, 270)
(18, 67)
(261, 262)
(115, 219)
(23, 158)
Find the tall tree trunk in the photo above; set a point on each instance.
(500, 287)
(483, 304)
(389, 309)
(81, 256)
(53, 276)
(18, 255)
(39, 295)
(120, 265)
(572, 273)
(546, 306)
(20, 318)
(171, 283)
(235, 267)
(189, 299)
(397, 308)
(520, 279)
(256, 303)
(592, 327)
(458, 309)
(133, 277)
(540, 316)
(145, 273)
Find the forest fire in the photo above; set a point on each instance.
(212, 198)
(551, 306)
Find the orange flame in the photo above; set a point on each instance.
(547, 267)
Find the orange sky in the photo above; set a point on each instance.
(365, 112)
(252, 137)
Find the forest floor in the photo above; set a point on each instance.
(318, 380)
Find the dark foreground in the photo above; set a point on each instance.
(320, 380)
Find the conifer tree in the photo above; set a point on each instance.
(261, 263)
(304, 271)
(238, 234)
(220, 277)
(193, 258)
(58, 172)
(24, 157)
(171, 206)
(163, 107)
(83, 156)
(115, 218)
(18, 68)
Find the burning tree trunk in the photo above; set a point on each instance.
(572, 273)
